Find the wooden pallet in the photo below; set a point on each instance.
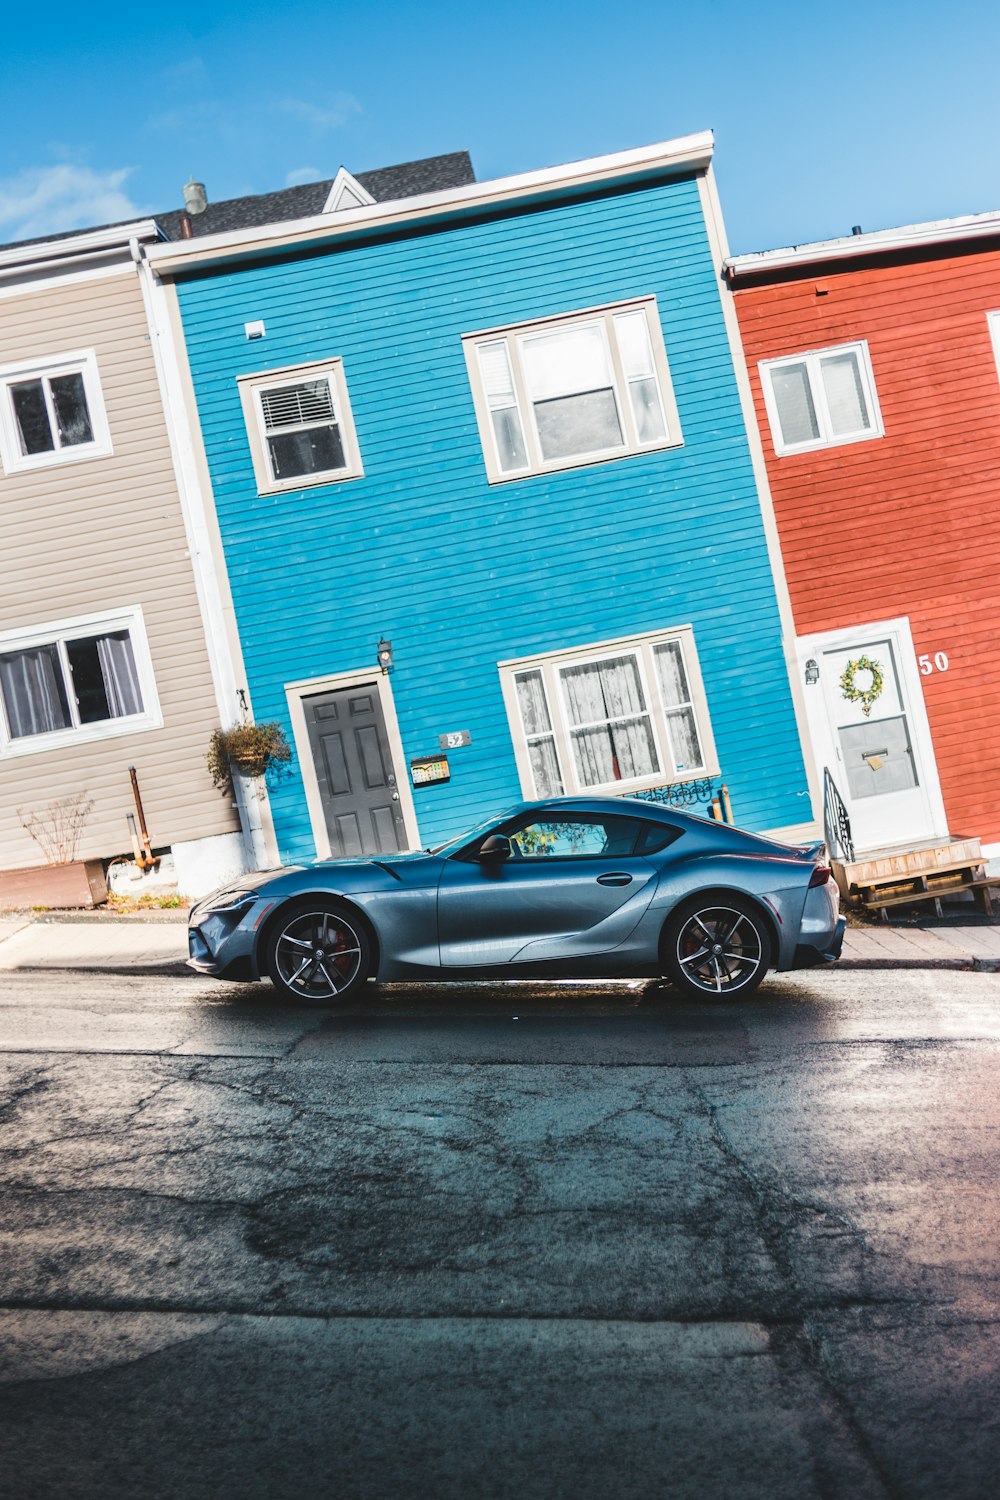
(902, 877)
(930, 886)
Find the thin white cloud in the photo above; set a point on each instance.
(48, 200)
(334, 113)
(300, 175)
(181, 75)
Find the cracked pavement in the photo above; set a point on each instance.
(580, 1240)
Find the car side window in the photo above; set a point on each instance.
(657, 836)
(575, 836)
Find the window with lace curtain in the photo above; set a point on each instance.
(300, 427)
(627, 715)
(52, 412)
(80, 679)
(580, 388)
(821, 399)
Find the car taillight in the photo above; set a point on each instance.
(820, 875)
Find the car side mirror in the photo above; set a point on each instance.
(494, 850)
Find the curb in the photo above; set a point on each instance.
(170, 966)
(902, 963)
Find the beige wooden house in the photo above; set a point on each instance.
(106, 585)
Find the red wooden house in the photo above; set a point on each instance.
(873, 362)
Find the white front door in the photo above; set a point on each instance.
(876, 744)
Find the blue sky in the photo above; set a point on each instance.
(825, 116)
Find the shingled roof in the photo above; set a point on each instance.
(431, 174)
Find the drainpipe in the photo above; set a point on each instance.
(254, 814)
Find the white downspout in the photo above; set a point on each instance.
(254, 819)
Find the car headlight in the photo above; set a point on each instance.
(230, 900)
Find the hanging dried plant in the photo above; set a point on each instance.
(251, 749)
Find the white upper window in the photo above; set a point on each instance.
(79, 679)
(627, 715)
(572, 390)
(821, 399)
(300, 427)
(52, 412)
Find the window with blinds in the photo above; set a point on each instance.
(821, 399)
(300, 428)
(570, 390)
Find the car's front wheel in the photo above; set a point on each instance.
(716, 947)
(317, 953)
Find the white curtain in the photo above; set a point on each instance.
(545, 767)
(684, 740)
(121, 680)
(531, 700)
(618, 750)
(673, 681)
(32, 692)
(607, 689)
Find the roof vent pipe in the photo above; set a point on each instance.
(187, 229)
(195, 197)
(855, 228)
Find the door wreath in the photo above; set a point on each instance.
(866, 696)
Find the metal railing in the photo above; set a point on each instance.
(678, 793)
(836, 822)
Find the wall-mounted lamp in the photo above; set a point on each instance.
(812, 671)
(385, 655)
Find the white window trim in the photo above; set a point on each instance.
(993, 324)
(810, 358)
(549, 663)
(250, 387)
(130, 619)
(536, 464)
(83, 362)
(346, 193)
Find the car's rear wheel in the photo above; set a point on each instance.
(317, 953)
(716, 948)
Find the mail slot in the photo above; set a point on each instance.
(866, 753)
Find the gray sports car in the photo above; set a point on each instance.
(589, 887)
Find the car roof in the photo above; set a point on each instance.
(635, 807)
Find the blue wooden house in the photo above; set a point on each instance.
(491, 519)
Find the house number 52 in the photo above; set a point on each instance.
(939, 662)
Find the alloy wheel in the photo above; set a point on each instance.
(719, 950)
(317, 955)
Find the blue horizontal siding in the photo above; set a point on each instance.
(460, 574)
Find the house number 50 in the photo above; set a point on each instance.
(938, 663)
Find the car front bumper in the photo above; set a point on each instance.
(224, 943)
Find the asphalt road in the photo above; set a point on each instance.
(578, 1242)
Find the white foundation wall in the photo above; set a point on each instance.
(203, 865)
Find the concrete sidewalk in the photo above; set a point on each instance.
(28, 942)
(143, 942)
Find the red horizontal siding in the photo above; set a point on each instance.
(907, 524)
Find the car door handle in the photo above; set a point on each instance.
(615, 879)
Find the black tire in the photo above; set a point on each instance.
(318, 953)
(716, 947)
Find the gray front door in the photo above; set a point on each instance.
(357, 781)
